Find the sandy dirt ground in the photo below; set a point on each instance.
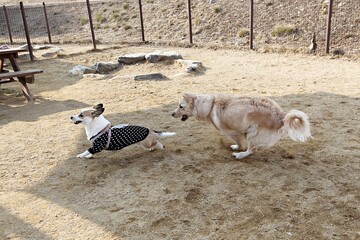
(193, 189)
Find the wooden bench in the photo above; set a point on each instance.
(23, 77)
(28, 75)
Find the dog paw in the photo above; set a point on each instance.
(82, 155)
(235, 147)
(241, 155)
(85, 154)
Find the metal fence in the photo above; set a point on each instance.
(268, 24)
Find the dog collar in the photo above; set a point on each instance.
(93, 138)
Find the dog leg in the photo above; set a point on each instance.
(241, 155)
(250, 133)
(238, 144)
(159, 145)
(146, 146)
(234, 147)
(85, 154)
(152, 148)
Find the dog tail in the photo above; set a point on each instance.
(297, 125)
(165, 134)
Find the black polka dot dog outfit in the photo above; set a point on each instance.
(117, 137)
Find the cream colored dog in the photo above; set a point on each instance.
(258, 121)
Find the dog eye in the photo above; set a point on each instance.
(181, 106)
(81, 115)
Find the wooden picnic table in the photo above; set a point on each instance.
(23, 77)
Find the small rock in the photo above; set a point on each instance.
(191, 66)
(339, 52)
(79, 70)
(105, 67)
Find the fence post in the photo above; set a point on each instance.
(26, 31)
(141, 22)
(47, 23)
(91, 24)
(190, 24)
(8, 24)
(251, 20)
(328, 28)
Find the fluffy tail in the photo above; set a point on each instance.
(165, 134)
(297, 125)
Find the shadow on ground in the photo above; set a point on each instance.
(33, 111)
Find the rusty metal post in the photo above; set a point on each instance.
(47, 23)
(141, 22)
(91, 24)
(190, 23)
(251, 20)
(328, 27)
(26, 31)
(8, 24)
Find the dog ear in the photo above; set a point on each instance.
(98, 110)
(99, 106)
(189, 97)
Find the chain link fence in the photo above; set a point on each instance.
(11, 26)
(278, 24)
(346, 26)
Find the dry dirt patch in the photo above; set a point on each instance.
(193, 189)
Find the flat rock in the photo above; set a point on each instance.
(41, 47)
(151, 76)
(132, 58)
(158, 56)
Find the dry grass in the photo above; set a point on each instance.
(284, 30)
(243, 32)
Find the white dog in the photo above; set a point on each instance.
(258, 121)
(106, 137)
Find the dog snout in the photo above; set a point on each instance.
(173, 114)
